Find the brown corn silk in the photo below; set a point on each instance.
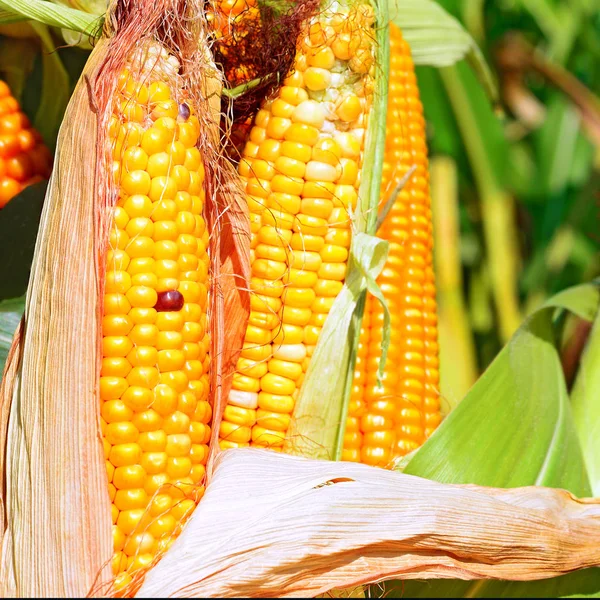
(55, 511)
(234, 24)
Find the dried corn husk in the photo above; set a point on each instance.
(279, 526)
(56, 526)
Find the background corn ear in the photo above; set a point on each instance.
(24, 159)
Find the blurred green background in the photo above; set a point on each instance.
(516, 183)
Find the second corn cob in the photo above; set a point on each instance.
(301, 169)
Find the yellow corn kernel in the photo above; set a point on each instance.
(153, 385)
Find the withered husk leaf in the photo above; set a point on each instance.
(56, 534)
(279, 526)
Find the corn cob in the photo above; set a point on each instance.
(23, 157)
(390, 421)
(154, 382)
(301, 169)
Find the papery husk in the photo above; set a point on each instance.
(279, 526)
(56, 520)
(56, 530)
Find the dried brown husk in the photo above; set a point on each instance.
(279, 526)
(55, 512)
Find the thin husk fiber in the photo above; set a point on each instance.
(274, 525)
(55, 523)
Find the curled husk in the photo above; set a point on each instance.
(277, 526)
(55, 519)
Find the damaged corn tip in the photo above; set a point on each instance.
(387, 422)
(301, 169)
(24, 159)
(154, 378)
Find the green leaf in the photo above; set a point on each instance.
(514, 428)
(557, 142)
(479, 443)
(473, 18)
(585, 400)
(19, 222)
(53, 15)
(487, 150)
(55, 89)
(437, 39)
(94, 7)
(10, 315)
(443, 134)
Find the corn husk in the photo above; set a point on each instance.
(279, 526)
(56, 525)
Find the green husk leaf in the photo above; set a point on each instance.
(318, 432)
(55, 89)
(585, 402)
(514, 428)
(11, 312)
(437, 39)
(53, 15)
(240, 90)
(94, 7)
(315, 431)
